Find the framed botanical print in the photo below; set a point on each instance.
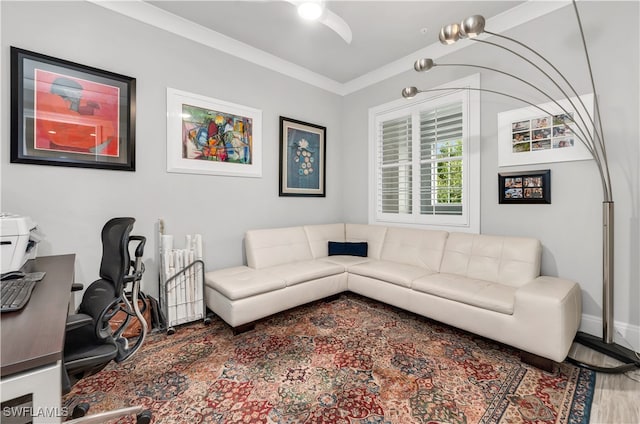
(302, 158)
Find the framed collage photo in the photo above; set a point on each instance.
(302, 158)
(67, 114)
(543, 134)
(525, 187)
(211, 136)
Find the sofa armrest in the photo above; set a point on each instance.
(553, 289)
(554, 305)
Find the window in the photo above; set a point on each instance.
(425, 159)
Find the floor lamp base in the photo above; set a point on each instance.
(612, 350)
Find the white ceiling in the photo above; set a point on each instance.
(383, 31)
(387, 35)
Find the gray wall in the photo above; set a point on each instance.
(71, 205)
(570, 228)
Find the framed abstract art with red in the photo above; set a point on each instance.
(67, 114)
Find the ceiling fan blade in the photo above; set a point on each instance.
(337, 24)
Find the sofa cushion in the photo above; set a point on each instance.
(372, 234)
(349, 248)
(241, 281)
(392, 272)
(276, 246)
(303, 271)
(319, 235)
(506, 260)
(483, 294)
(411, 246)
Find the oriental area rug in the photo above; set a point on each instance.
(350, 360)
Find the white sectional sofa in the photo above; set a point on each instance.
(488, 285)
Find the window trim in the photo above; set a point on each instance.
(470, 220)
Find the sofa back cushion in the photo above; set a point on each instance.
(276, 246)
(423, 248)
(512, 261)
(319, 237)
(372, 234)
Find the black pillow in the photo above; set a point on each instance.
(348, 248)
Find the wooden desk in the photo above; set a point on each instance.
(33, 339)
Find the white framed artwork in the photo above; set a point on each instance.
(211, 136)
(543, 134)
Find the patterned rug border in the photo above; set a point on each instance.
(587, 382)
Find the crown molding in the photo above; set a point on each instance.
(504, 21)
(159, 18)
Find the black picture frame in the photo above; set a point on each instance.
(67, 114)
(303, 162)
(524, 187)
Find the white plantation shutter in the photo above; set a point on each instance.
(441, 158)
(425, 163)
(395, 164)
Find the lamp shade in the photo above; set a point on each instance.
(409, 92)
(449, 34)
(473, 26)
(423, 65)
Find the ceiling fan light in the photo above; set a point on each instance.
(310, 10)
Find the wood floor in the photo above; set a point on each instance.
(617, 396)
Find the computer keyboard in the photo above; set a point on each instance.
(16, 293)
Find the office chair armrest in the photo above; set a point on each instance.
(140, 248)
(77, 287)
(78, 320)
(137, 265)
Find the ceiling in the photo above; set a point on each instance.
(383, 31)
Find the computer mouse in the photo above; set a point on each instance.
(12, 275)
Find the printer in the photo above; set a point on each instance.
(19, 240)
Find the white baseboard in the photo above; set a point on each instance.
(626, 335)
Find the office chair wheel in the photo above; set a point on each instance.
(80, 410)
(144, 417)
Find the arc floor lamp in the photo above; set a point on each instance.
(588, 131)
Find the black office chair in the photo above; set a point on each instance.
(90, 343)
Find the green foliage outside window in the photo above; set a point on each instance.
(450, 172)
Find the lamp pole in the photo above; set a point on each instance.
(607, 272)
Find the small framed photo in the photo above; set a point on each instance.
(67, 114)
(212, 136)
(302, 158)
(525, 187)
